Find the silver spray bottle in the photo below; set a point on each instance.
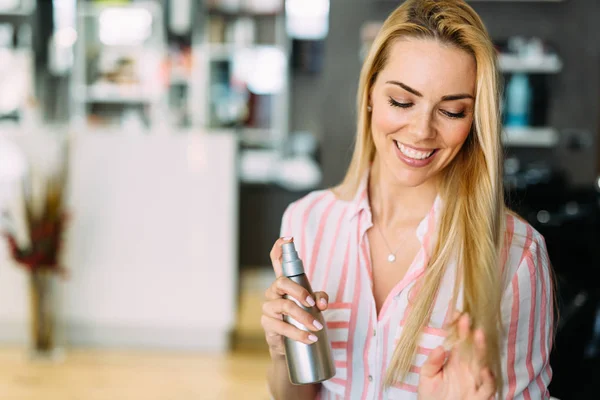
(307, 363)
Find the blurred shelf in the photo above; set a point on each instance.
(548, 64)
(16, 16)
(179, 79)
(235, 51)
(259, 137)
(242, 13)
(225, 51)
(118, 94)
(95, 8)
(542, 137)
(220, 52)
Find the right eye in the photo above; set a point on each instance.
(395, 103)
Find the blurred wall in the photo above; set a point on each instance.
(570, 26)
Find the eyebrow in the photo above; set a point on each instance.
(449, 97)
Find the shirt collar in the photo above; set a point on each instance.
(427, 227)
(361, 198)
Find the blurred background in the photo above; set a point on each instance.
(148, 150)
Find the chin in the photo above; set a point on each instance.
(411, 179)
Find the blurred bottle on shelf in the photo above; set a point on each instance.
(518, 101)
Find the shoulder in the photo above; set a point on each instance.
(311, 207)
(528, 311)
(524, 249)
(311, 218)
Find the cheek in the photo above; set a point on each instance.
(455, 136)
(386, 120)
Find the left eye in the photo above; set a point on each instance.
(453, 115)
(395, 103)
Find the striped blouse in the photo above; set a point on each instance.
(330, 236)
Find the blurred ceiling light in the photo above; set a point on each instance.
(125, 26)
(307, 19)
(66, 37)
(9, 5)
(64, 13)
(263, 6)
(262, 68)
(180, 16)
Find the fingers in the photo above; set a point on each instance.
(462, 332)
(455, 316)
(487, 388)
(322, 300)
(276, 308)
(464, 323)
(283, 286)
(275, 328)
(480, 347)
(434, 363)
(276, 254)
(468, 358)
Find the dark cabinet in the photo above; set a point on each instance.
(261, 210)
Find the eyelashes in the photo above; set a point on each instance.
(454, 115)
(448, 114)
(394, 103)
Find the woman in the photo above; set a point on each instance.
(430, 287)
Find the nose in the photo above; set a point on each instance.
(422, 126)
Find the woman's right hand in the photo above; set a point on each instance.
(276, 306)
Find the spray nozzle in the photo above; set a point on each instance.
(291, 265)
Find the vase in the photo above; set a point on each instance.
(43, 297)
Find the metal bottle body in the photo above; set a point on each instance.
(308, 363)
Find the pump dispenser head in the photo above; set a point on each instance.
(291, 265)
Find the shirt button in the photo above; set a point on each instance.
(370, 378)
(374, 332)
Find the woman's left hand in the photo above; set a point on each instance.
(462, 376)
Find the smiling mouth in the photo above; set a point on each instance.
(414, 154)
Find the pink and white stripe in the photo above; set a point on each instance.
(330, 235)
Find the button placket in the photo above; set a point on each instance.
(378, 339)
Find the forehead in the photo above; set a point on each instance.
(431, 67)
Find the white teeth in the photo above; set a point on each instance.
(412, 153)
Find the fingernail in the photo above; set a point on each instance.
(310, 301)
(287, 238)
(318, 325)
(312, 338)
(323, 302)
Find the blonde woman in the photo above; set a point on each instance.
(430, 287)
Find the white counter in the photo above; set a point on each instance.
(152, 244)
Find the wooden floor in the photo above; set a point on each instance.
(132, 375)
(114, 375)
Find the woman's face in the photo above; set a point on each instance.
(422, 109)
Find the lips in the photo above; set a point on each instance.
(414, 153)
(414, 157)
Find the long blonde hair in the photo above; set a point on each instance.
(471, 226)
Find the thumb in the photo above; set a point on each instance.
(322, 300)
(276, 252)
(434, 363)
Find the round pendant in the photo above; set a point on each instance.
(391, 258)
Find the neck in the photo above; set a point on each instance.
(393, 204)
